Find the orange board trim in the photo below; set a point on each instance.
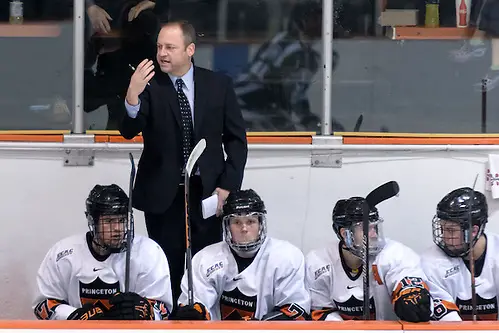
(277, 139)
(196, 325)
(452, 326)
(37, 30)
(422, 33)
(305, 140)
(419, 141)
(32, 137)
(252, 325)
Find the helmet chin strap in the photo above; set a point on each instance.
(100, 248)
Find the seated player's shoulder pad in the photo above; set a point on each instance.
(67, 246)
(397, 251)
(144, 245)
(316, 258)
(284, 254)
(434, 257)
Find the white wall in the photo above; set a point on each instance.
(43, 201)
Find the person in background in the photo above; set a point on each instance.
(120, 33)
(272, 90)
(485, 20)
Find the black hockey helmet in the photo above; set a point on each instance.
(306, 15)
(458, 206)
(108, 203)
(348, 214)
(349, 211)
(244, 203)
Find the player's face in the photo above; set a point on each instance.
(173, 55)
(376, 238)
(358, 232)
(452, 235)
(111, 230)
(244, 229)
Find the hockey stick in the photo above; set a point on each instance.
(365, 259)
(484, 105)
(189, 166)
(358, 123)
(382, 193)
(472, 255)
(130, 225)
(379, 194)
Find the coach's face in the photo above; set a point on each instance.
(173, 55)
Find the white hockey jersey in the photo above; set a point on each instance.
(275, 278)
(450, 283)
(335, 295)
(71, 276)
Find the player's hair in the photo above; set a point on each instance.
(187, 28)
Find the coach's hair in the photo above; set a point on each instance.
(187, 30)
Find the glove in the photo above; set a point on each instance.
(130, 306)
(413, 305)
(87, 312)
(197, 311)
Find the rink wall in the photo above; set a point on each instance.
(46, 176)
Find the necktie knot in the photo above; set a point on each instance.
(180, 83)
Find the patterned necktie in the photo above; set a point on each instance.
(185, 111)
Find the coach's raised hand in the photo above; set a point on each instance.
(142, 75)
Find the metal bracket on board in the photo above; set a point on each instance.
(326, 158)
(78, 157)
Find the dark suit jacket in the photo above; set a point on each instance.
(217, 118)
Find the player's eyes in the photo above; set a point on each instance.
(112, 221)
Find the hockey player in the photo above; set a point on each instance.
(334, 274)
(249, 276)
(82, 277)
(447, 262)
(273, 90)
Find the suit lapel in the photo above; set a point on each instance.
(200, 94)
(171, 96)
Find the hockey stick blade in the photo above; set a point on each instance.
(358, 123)
(193, 158)
(130, 226)
(132, 180)
(383, 192)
